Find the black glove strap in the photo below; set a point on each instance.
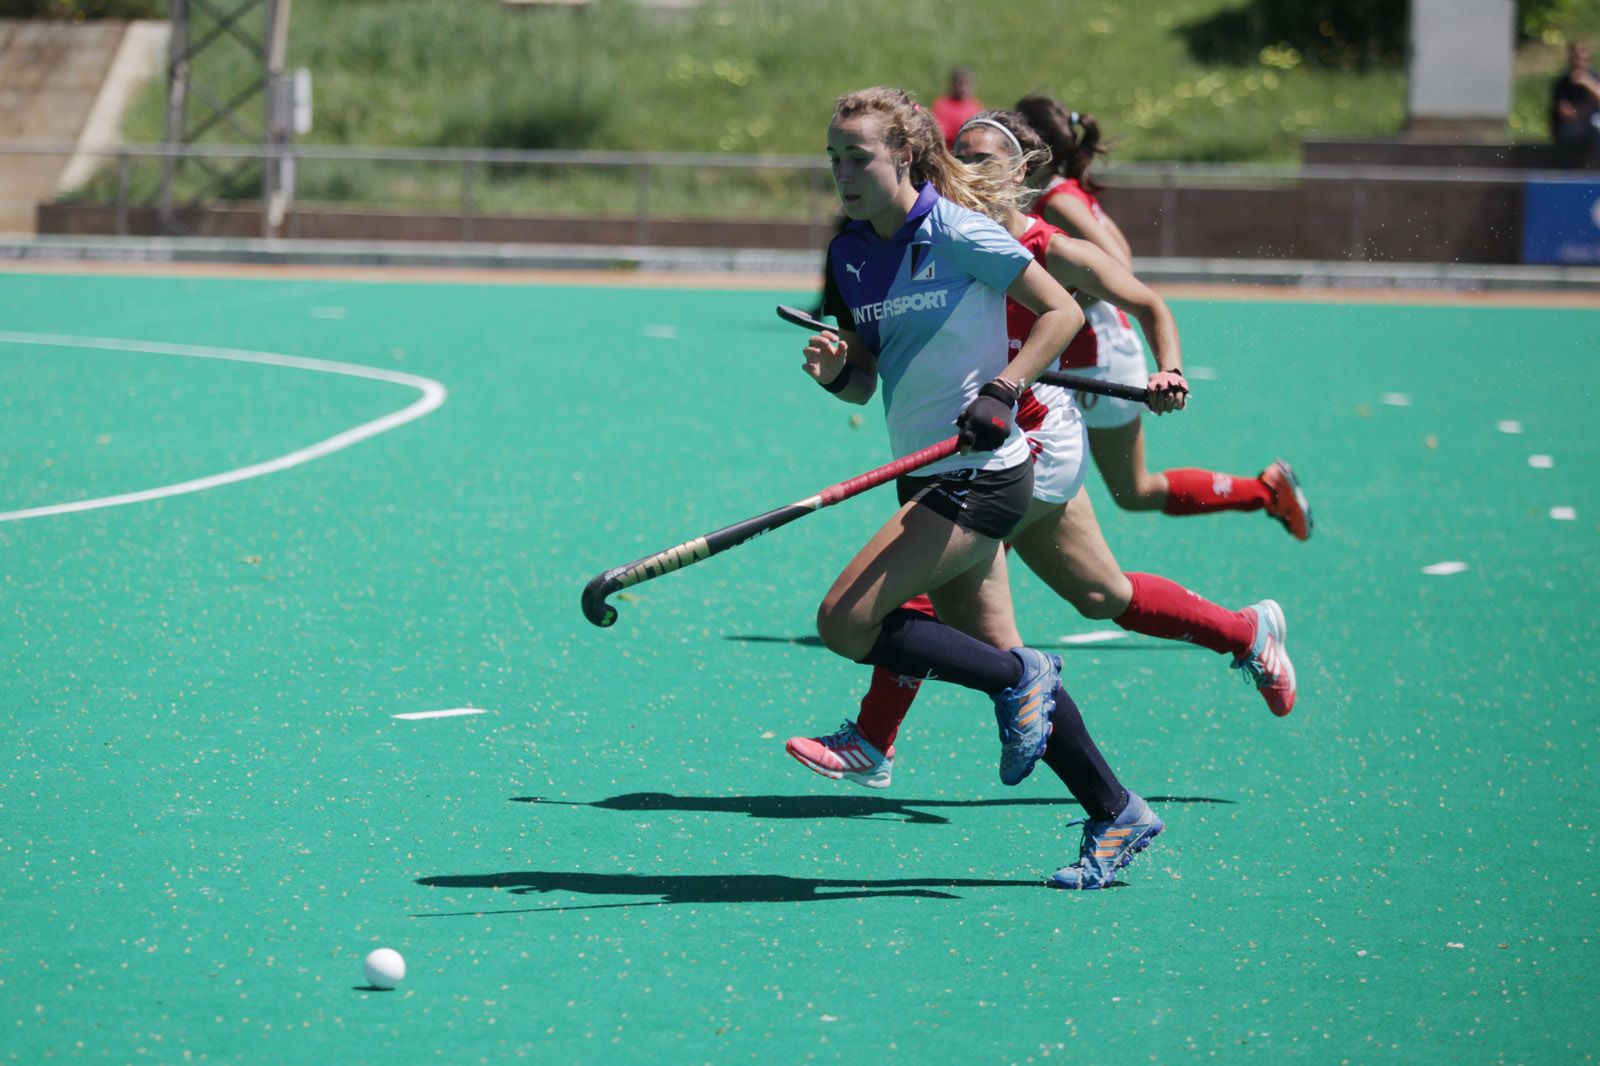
(1002, 390)
(838, 384)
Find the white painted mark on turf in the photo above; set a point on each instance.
(1508, 425)
(666, 333)
(1541, 462)
(1199, 373)
(1440, 569)
(433, 395)
(1099, 636)
(1564, 514)
(1396, 399)
(328, 312)
(454, 712)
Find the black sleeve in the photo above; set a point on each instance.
(833, 303)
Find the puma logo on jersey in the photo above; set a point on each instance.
(855, 269)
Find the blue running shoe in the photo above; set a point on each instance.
(1023, 714)
(1109, 846)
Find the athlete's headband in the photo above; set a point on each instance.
(1016, 145)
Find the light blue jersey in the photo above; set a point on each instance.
(930, 302)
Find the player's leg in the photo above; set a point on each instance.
(946, 537)
(863, 751)
(1118, 451)
(1068, 551)
(1120, 455)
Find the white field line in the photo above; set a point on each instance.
(433, 395)
(1099, 636)
(454, 712)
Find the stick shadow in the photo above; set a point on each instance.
(701, 888)
(1120, 644)
(910, 811)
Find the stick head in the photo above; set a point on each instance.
(800, 318)
(595, 607)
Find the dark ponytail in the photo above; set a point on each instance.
(1071, 151)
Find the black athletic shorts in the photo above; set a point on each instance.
(990, 502)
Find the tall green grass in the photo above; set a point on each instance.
(760, 76)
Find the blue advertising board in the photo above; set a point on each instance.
(1561, 222)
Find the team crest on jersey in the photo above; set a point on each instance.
(925, 274)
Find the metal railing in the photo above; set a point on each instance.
(640, 168)
(806, 180)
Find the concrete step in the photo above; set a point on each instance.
(53, 80)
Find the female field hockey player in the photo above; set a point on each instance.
(1059, 539)
(1110, 349)
(921, 280)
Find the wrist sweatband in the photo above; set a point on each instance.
(837, 385)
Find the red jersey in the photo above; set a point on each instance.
(1070, 187)
(1019, 321)
(1084, 349)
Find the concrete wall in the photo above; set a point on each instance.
(1391, 221)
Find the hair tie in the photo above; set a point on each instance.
(1072, 119)
(916, 106)
(1016, 145)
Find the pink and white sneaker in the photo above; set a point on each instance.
(1267, 664)
(845, 755)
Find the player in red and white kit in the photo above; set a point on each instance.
(1110, 350)
(1059, 538)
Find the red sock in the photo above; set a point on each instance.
(1191, 491)
(1162, 608)
(889, 698)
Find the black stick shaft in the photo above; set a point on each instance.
(1076, 382)
(601, 586)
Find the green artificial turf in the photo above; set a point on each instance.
(208, 813)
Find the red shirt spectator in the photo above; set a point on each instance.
(952, 110)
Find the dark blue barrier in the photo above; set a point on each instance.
(1561, 222)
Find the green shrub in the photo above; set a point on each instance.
(443, 72)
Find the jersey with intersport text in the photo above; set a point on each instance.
(930, 303)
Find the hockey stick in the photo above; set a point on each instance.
(601, 613)
(1050, 377)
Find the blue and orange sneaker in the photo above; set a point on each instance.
(1267, 664)
(1109, 846)
(844, 756)
(1023, 714)
(1288, 504)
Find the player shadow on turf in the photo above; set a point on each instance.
(1118, 644)
(702, 888)
(865, 807)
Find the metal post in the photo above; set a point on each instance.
(1358, 219)
(177, 104)
(1169, 217)
(275, 116)
(641, 220)
(814, 191)
(469, 175)
(122, 194)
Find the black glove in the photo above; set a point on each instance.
(986, 423)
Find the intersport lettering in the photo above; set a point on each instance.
(900, 305)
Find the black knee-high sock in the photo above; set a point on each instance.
(915, 645)
(1072, 754)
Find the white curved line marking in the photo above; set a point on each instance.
(433, 394)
